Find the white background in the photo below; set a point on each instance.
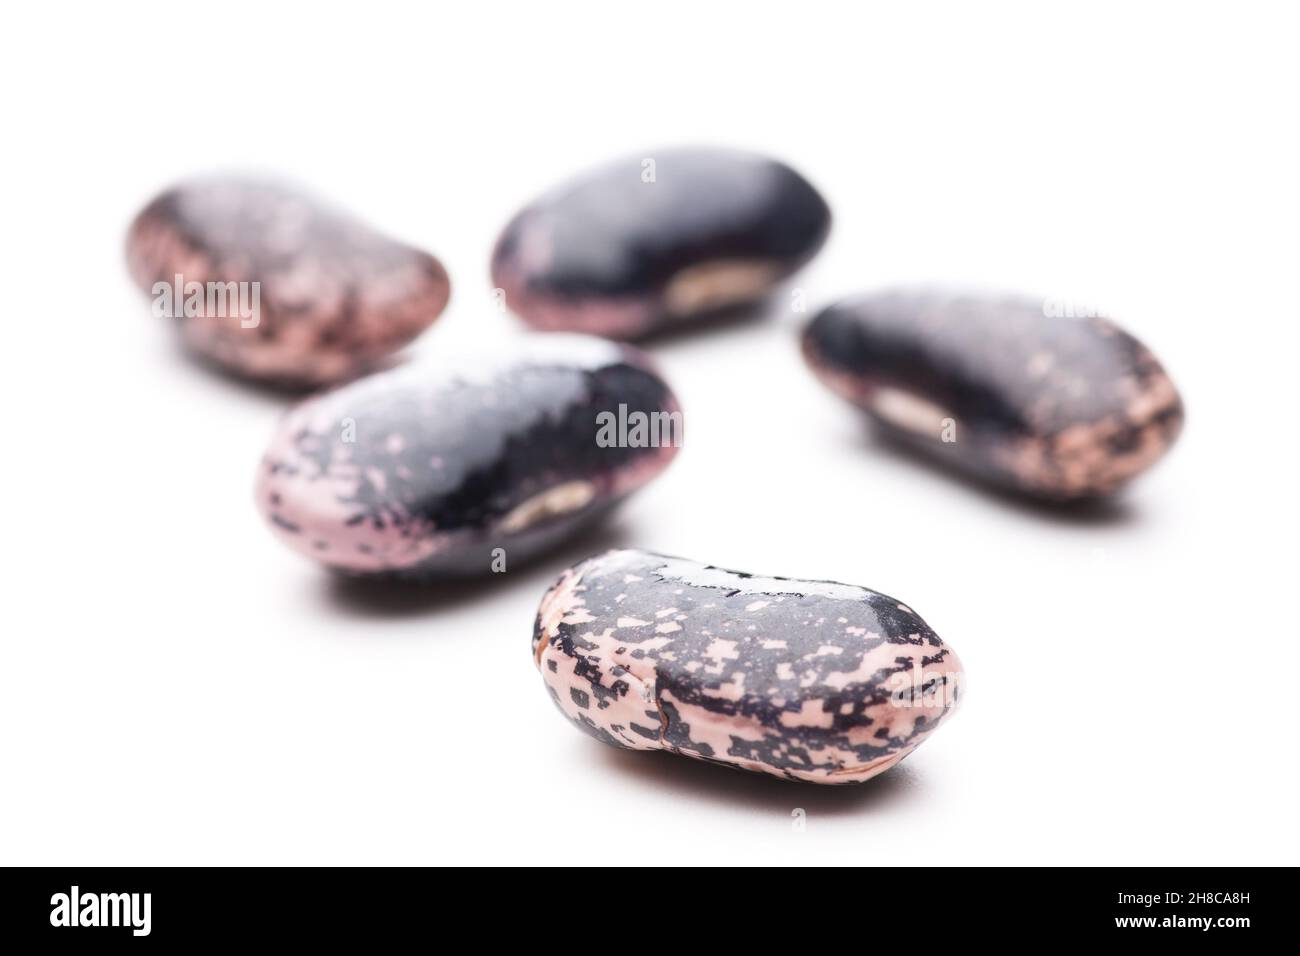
(177, 687)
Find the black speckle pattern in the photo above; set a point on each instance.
(806, 680)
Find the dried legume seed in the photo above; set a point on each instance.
(332, 296)
(647, 243)
(806, 680)
(1001, 387)
(468, 464)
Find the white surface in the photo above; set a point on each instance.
(177, 687)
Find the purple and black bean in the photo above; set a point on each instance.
(1001, 387)
(806, 680)
(333, 296)
(464, 463)
(645, 244)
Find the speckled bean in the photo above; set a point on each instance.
(466, 463)
(334, 296)
(806, 680)
(656, 241)
(1003, 388)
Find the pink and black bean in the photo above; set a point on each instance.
(806, 680)
(454, 465)
(632, 248)
(336, 297)
(1001, 387)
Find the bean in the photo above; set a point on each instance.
(647, 243)
(806, 680)
(1011, 390)
(470, 463)
(322, 297)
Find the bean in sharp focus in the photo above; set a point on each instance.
(806, 680)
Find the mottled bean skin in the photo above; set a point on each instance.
(336, 296)
(613, 255)
(453, 458)
(998, 387)
(806, 680)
